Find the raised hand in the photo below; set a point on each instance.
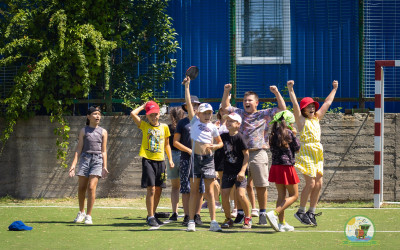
(228, 87)
(273, 89)
(290, 84)
(186, 80)
(335, 84)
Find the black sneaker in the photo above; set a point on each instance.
(161, 215)
(312, 217)
(239, 218)
(197, 220)
(174, 217)
(303, 218)
(159, 222)
(262, 219)
(152, 222)
(185, 221)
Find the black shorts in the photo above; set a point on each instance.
(229, 180)
(153, 173)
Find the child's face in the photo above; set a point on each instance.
(250, 104)
(205, 117)
(153, 118)
(309, 110)
(94, 118)
(232, 125)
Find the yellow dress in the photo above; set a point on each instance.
(310, 159)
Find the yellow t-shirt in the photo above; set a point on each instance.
(153, 141)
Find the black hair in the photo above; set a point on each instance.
(280, 136)
(92, 109)
(176, 113)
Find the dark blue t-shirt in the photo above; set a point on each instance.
(233, 149)
(183, 128)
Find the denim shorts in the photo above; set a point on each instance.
(90, 164)
(173, 173)
(204, 166)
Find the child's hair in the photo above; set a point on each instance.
(303, 113)
(176, 113)
(250, 93)
(91, 110)
(279, 136)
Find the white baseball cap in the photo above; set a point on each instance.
(234, 116)
(204, 107)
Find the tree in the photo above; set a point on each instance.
(65, 49)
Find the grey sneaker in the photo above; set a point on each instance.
(191, 226)
(152, 222)
(273, 220)
(262, 219)
(285, 227)
(214, 226)
(197, 220)
(312, 217)
(303, 218)
(80, 217)
(159, 222)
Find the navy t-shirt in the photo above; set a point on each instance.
(233, 149)
(183, 128)
(171, 137)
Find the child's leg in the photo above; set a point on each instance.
(284, 202)
(225, 201)
(209, 183)
(151, 190)
(262, 196)
(175, 194)
(217, 189)
(243, 201)
(93, 180)
(305, 194)
(199, 202)
(194, 194)
(250, 192)
(83, 184)
(315, 191)
(157, 196)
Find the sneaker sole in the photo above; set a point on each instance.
(298, 218)
(272, 225)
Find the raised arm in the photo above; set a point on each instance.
(135, 114)
(328, 101)
(279, 98)
(296, 108)
(189, 105)
(225, 97)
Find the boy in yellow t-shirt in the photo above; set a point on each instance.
(154, 144)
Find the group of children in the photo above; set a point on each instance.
(191, 168)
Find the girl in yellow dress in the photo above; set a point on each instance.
(310, 159)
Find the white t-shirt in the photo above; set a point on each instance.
(202, 132)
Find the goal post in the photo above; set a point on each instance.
(379, 128)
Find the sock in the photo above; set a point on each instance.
(150, 217)
(263, 210)
(282, 222)
(191, 221)
(276, 213)
(214, 221)
(240, 211)
(312, 210)
(302, 210)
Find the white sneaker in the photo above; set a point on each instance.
(191, 226)
(80, 217)
(254, 212)
(88, 219)
(234, 213)
(214, 226)
(273, 220)
(285, 227)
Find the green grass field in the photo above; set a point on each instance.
(120, 224)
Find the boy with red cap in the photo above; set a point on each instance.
(310, 158)
(154, 145)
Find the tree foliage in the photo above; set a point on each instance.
(67, 49)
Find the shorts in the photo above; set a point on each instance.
(153, 173)
(90, 164)
(258, 167)
(204, 166)
(173, 173)
(283, 174)
(184, 175)
(229, 180)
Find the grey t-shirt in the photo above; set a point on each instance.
(92, 140)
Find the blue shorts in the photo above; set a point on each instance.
(184, 174)
(173, 173)
(90, 164)
(204, 166)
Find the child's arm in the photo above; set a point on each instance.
(328, 101)
(135, 114)
(179, 145)
(241, 175)
(279, 98)
(189, 105)
(167, 148)
(219, 144)
(78, 152)
(296, 108)
(225, 97)
(104, 171)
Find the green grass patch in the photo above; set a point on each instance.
(122, 228)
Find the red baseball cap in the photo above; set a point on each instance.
(151, 107)
(307, 101)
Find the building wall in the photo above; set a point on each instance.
(29, 166)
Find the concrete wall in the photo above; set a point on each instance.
(30, 169)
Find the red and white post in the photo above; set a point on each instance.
(379, 128)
